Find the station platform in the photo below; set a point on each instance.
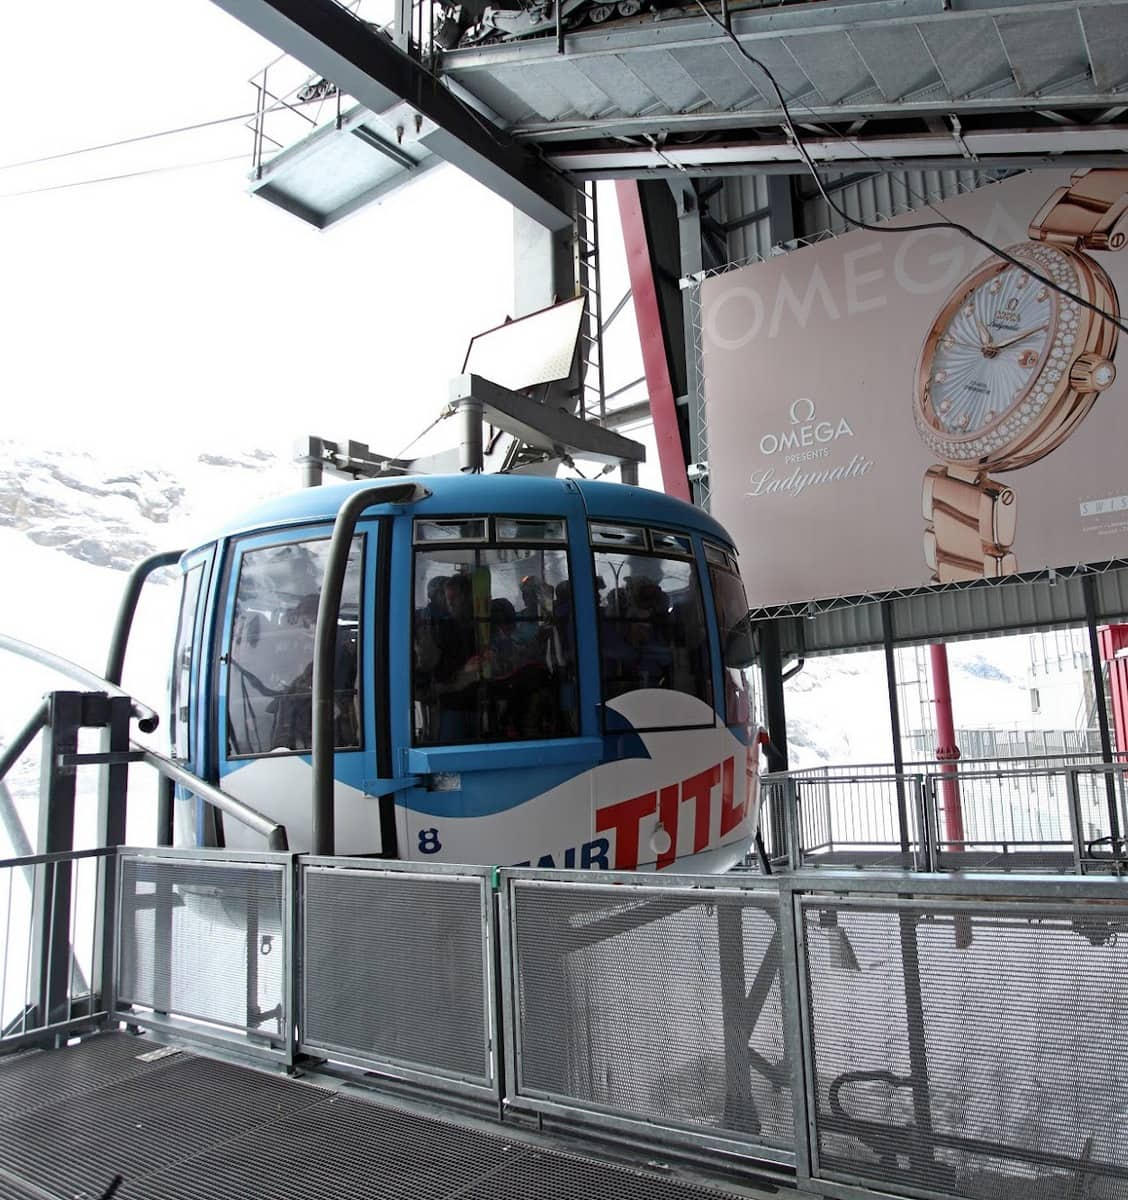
(119, 1115)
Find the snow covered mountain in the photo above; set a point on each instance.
(71, 526)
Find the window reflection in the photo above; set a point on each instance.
(182, 662)
(737, 650)
(270, 659)
(494, 645)
(651, 625)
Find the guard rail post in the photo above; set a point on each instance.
(792, 818)
(50, 946)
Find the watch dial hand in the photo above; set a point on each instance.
(1021, 337)
(984, 335)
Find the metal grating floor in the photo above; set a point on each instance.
(182, 1127)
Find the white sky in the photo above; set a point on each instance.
(175, 310)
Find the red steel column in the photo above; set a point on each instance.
(663, 408)
(946, 748)
(1113, 638)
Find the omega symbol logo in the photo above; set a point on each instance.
(803, 406)
(805, 430)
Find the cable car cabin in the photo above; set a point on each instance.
(518, 671)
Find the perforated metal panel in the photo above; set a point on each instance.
(971, 1050)
(205, 940)
(396, 971)
(657, 1004)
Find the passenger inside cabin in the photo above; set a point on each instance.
(457, 669)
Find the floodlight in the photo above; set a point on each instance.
(539, 348)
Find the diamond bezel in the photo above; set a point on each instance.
(1025, 415)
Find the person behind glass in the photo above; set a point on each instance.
(457, 669)
(521, 688)
(648, 634)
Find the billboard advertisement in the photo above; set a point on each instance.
(893, 409)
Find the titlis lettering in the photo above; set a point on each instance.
(805, 430)
(805, 438)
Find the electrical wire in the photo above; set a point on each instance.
(419, 436)
(76, 183)
(943, 223)
(130, 141)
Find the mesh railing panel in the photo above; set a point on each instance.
(969, 1051)
(206, 941)
(395, 970)
(868, 821)
(1012, 820)
(655, 1005)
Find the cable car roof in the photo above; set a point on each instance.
(523, 495)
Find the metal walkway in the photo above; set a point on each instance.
(175, 1125)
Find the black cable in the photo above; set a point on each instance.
(943, 223)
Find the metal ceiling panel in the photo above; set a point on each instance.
(667, 79)
(1106, 38)
(969, 55)
(616, 80)
(897, 59)
(534, 90)
(729, 87)
(832, 64)
(583, 95)
(1043, 48)
(510, 108)
(792, 79)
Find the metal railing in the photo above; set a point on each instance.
(52, 913)
(406, 984)
(1048, 817)
(957, 1037)
(204, 947)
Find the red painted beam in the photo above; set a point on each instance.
(663, 407)
(1113, 638)
(946, 749)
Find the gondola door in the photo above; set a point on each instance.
(265, 700)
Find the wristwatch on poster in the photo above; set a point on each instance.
(1010, 368)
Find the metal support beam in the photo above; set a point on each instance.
(663, 407)
(691, 262)
(114, 781)
(781, 209)
(541, 426)
(895, 722)
(1089, 591)
(771, 671)
(51, 894)
(367, 65)
(543, 263)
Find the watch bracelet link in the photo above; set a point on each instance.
(970, 526)
(1090, 214)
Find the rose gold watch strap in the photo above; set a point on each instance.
(1092, 213)
(970, 526)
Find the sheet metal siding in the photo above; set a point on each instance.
(884, 195)
(958, 615)
(743, 195)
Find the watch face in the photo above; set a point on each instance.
(998, 357)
